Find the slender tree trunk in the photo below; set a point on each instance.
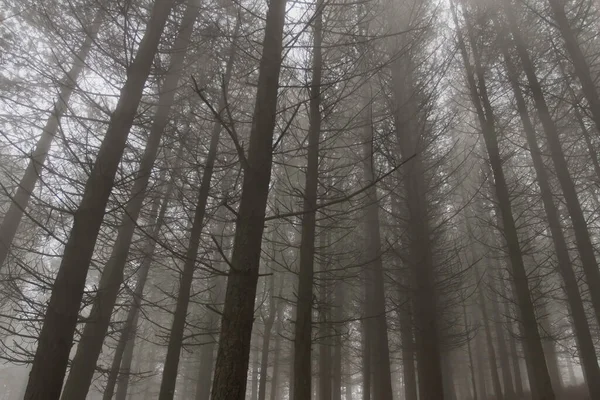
(207, 358)
(325, 377)
(56, 337)
(277, 355)
(366, 362)
(507, 380)
(491, 352)
(470, 354)
(236, 329)
(264, 361)
(409, 377)
(169, 376)
(337, 342)
(527, 312)
(481, 368)
(121, 366)
(20, 199)
(303, 334)
(255, 366)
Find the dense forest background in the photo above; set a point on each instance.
(328, 199)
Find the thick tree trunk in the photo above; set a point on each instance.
(527, 312)
(304, 307)
(20, 199)
(238, 314)
(90, 344)
(56, 337)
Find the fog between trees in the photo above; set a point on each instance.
(273, 200)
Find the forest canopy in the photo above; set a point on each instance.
(296, 200)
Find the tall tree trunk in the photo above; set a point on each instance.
(582, 237)
(56, 337)
(266, 343)
(550, 350)
(121, 366)
(491, 352)
(304, 307)
(169, 376)
(238, 313)
(376, 328)
(503, 355)
(90, 344)
(367, 372)
(409, 377)
(479, 351)
(325, 377)
(470, 355)
(277, 356)
(130, 327)
(20, 199)
(337, 341)
(207, 358)
(486, 119)
(255, 367)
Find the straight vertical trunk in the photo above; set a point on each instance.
(169, 376)
(266, 343)
(276, 362)
(56, 337)
(238, 313)
(207, 358)
(303, 334)
(470, 354)
(255, 366)
(337, 342)
(503, 355)
(376, 325)
(491, 352)
(366, 362)
(20, 199)
(486, 119)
